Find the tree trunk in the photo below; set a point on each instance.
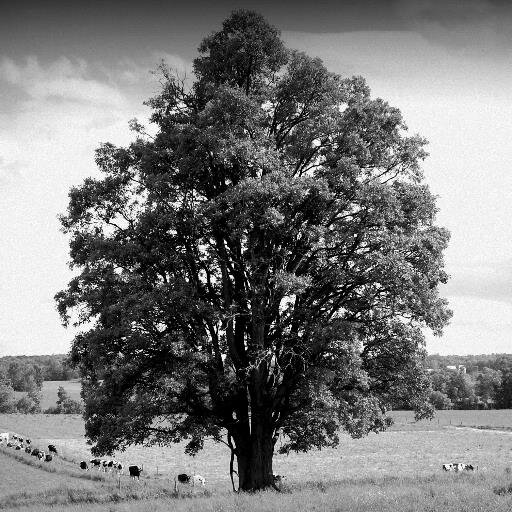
(254, 458)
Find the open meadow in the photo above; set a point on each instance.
(49, 391)
(395, 470)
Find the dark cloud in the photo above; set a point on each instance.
(109, 29)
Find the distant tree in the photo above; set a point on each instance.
(27, 405)
(25, 377)
(72, 407)
(440, 401)
(68, 372)
(460, 389)
(35, 396)
(504, 392)
(439, 380)
(262, 267)
(62, 396)
(53, 370)
(7, 398)
(64, 404)
(487, 385)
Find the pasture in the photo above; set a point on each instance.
(49, 391)
(50, 388)
(395, 470)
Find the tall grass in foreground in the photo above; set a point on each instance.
(439, 492)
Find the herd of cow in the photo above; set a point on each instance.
(459, 466)
(20, 443)
(108, 466)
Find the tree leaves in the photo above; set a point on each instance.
(266, 262)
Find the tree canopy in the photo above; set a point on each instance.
(261, 268)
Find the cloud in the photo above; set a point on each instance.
(490, 281)
(466, 27)
(10, 172)
(62, 79)
(52, 117)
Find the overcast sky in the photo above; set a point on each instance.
(71, 77)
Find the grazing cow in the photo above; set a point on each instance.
(41, 455)
(458, 466)
(18, 447)
(118, 468)
(10, 445)
(28, 441)
(183, 478)
(278, 479)
(28, 449)
(4, 437)
(111, 465)
(35, 452)
(52, 449)
(48, 458)
(83, 465)
(108, 465)
(135, 472)
(96, 463)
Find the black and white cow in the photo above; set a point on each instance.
(96, 463)
(183, 478)
(135, 472)
(28, 449)
(119, 468)
(41, 455)
(83, 465)
(52, 449)
(458, 466)
(48, 458)
(35, 452)
(278, 479)
(28, 441)
(4, 437)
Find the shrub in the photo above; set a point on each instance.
(7, 400)
(27, 405)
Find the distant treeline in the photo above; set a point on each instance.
(458, 382)
(471, 382)
(27, 373)
(494, 361)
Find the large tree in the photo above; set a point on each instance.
(262, 267)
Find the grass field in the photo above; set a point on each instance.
(50, 388)
(395, 470)
(49, 391)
